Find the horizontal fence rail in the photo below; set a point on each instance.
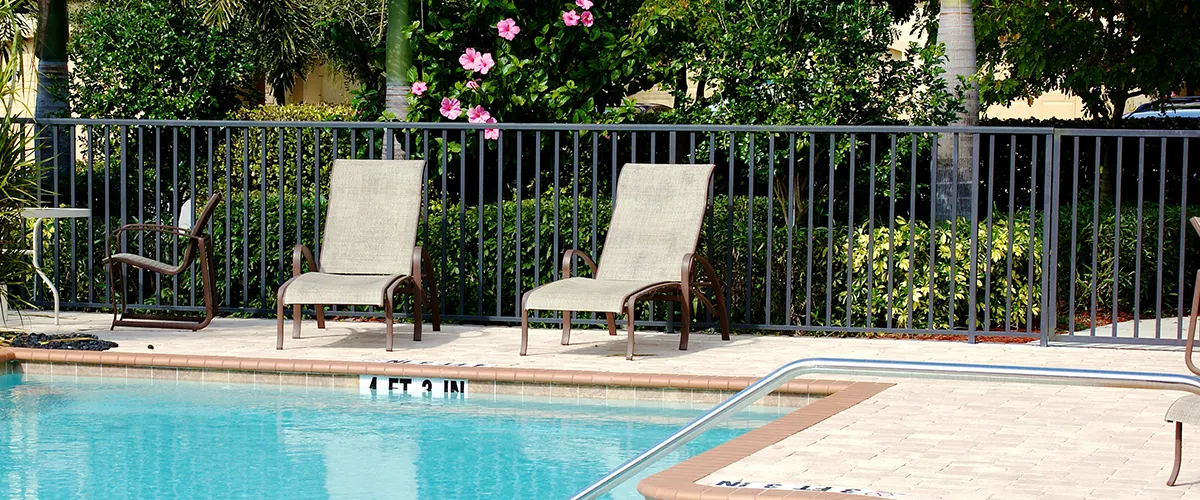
(842, 230)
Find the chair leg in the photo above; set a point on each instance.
(297, 315)
(685, 321)
(112, 294)
(320, 316)
(524, 331)
(209, 277)
(1178, 453)
(629, 348)
(418, 305)
(432, 297)
(566, 328)
(279, 323)
(612, 323)
(387, 318)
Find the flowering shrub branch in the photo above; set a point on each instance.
(537, 62)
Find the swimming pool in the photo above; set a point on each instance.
(100, 438)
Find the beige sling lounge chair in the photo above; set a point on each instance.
(369, 251)
(649, 254)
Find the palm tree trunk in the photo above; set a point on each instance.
(399, 59)
(51, 50)
(956, 29)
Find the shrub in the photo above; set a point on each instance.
(155, 59)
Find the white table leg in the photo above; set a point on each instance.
(37, 264)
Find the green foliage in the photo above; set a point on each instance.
(16, 20)
(1101, 51)
(280, 35)
(810, 62)
(19, 176)
(352, 39)
(297, 113)
(548, 73)
(1120, 248)
(155, 59)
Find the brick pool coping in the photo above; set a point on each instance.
(675, 483)
(679, 482)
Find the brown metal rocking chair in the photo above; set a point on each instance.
(198, 249)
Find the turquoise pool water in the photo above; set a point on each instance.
(95, 438)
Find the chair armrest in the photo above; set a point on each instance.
(418, 260)
(297, 251)
(567, 259)
(150, 228)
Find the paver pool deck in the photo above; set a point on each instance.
(920, 438)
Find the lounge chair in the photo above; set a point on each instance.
(369, 251)
(649, 254)
(1186, 408)
(198, 249)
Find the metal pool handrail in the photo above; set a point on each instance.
(785, 373)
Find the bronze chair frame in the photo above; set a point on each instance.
(680, 291)
(414, 283)
(198, 248)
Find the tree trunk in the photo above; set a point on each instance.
(953, 185)
(681, 85)
(1108, 169)
(399, 59)
(51, 50)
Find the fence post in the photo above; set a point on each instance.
(1053, 166)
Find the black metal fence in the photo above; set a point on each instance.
(817, 229)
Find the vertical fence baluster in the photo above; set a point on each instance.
(517, 270)
(891, 265)
(850, 233)
(1162, 191)
(1074, 232)
(750, 174)
(791, 227)
(973, 274)
(769, 276)
(1117, 238)
(1137, 264)
(829, 236)
(1012, 190)
(1183, 236)
(1096, 232)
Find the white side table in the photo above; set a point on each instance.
(38, 215)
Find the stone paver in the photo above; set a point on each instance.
(922, 438)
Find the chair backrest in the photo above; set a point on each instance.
(656, 220)
(199, 223)
(373, 215)
(196, 226)
(1195, 224)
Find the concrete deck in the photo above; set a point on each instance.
(921, 438)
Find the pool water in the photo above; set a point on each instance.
(96, 438)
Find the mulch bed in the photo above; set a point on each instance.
(67, 341)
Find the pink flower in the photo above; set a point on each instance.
(585, 4)
(419, 88)
(478, 115)
(469, 60)
(587, 18)
(570, 18)
(485, 63)
(508, 29)
(472, 84)
(451, 108)
(491, 134)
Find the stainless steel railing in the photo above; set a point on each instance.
(785, 373)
